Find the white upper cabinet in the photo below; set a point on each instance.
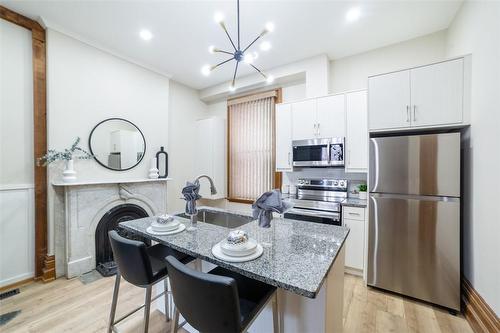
(389, 100)
(304, 119)
(284, 137)
(356, 132)
(330, 116)
(422, 97)
(437, 93)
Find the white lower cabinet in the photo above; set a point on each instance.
(354, 219)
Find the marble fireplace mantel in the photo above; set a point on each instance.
(79, 206)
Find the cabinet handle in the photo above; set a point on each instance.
(289, 159)
(353, 213)
(414, 113)
(407, 113)
(319, 131)
(315, 129)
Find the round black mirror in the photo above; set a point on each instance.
(117, 144)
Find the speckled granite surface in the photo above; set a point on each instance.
(296, 256)
(354, 202)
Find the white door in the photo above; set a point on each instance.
(283, 137)
(304, 120)
(389, 100)
(354, 244)
(436, 93)
(331, 116)
(356, 132)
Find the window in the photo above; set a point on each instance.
(251, 134)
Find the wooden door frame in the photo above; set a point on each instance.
(44, 264)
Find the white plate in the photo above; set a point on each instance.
(239, 250)
(181, 227)
(158, 227)
(217, 252)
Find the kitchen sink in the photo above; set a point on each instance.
(223, 219)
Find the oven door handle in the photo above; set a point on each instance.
(314, 213)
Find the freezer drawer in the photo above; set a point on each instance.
(414, 247)
(416, 164)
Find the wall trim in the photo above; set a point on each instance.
(477, 312)
(40, 129)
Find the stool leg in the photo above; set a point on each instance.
(114, 302)
(175, 321)
(147, 307)
(276, 327)
(167, 300)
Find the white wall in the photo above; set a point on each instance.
(476, 30)
(85, 86)
(17, 222)
(351, 73)
(185, 108)
(314, 71)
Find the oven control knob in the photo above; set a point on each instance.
(335, 183)
(342, 183)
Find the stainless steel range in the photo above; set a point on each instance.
(319, 200)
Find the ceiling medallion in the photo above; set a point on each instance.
(239, 54)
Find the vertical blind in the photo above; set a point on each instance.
(251, 145)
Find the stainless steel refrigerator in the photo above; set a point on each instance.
(414, 225)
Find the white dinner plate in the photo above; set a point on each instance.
(157, 227)
(239, 250)
(181, 228)
(217, 252)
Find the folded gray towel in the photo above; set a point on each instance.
(190, 193)
(268, 203)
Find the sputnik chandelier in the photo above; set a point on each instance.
(238, 54)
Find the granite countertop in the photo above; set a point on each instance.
(354, 202)
(297, 255)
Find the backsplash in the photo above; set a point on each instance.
(354, 179)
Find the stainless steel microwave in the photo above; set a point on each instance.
(318, 152)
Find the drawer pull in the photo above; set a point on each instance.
(350, 213)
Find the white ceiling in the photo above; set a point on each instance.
(183, 30)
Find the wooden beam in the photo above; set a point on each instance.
(477, 312)
(37, 30)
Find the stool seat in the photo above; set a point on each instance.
(158, 256)
(219, 301)
(253, 294)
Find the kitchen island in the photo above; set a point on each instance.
(304, 260)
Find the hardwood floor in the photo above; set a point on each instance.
(71, 306)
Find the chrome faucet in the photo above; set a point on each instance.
(213, 190)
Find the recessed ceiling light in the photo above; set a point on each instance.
(146, 34)
(353, 14)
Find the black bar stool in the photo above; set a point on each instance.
(219, 301)
(142, 266)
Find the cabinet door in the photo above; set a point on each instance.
(437, 93)
(283, 137)
(389, 100)
(304, 120)
(355, 244)
(331, 116)
(204, 158)
(356, 132)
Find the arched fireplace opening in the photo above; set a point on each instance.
(104, 255)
